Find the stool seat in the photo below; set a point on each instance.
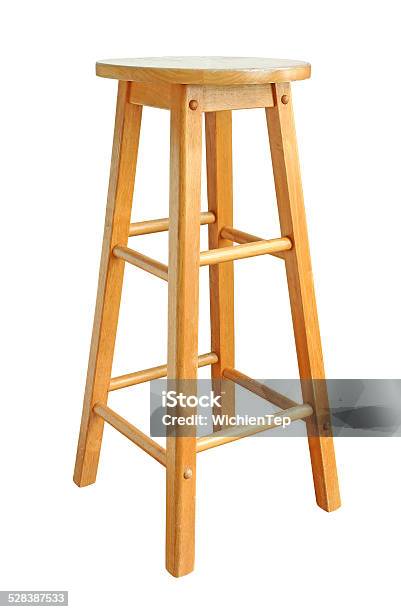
(204, 70)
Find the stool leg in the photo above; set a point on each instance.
(221, 277)
(287, 178)
(118, 212)
(184, 234)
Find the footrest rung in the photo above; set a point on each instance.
(236, 433)
(270, 395)
(142, 261)
(131, 432)
(235, 235)
(242, 251)
(127, 380)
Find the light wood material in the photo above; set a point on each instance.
(204, 70)
(154, 226)
(259, 389)
(234, 235)
(119, 202)
(141, 261)
(131, 432)
(158, 95)
(136, 378)
(190, 87)
(231, 434)
(229, 233)
(221, 277)
(183, 304)
(242, 251)
(235, 97)
(214, 98)
(287, 179)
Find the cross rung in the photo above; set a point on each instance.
(132, 433)
(234, 235)
(141, 261)
(270, 395)
(242, 251)
(127, 380)
(161, 225)
(207, 258)
(236, 433)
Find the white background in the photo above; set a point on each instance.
(262, 543)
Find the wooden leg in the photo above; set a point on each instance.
(303, 306)
(221, 276)
(184, 230)
(118, 212)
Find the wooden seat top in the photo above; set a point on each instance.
(204, 70)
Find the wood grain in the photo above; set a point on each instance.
(157, 268)
(221, 277)
(204, 70)
(270, 395)
(131, 432)
(284, 152)
(185, 177)
(159, 94)
(240, 237)
(231, 434)
(153, 226)
(135, 378)
(119, 202)
(236, 97)
(243, 251)
(155, 94)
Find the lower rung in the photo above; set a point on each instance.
(270, 395)
(245, 250)
(230, 434)
(131, 432)
(234, 235)
(142, 261)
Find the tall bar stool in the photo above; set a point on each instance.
(189, 87)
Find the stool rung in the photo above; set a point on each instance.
(229, 233)
(131, 432)
(127, 380)
(161, 225)
(141, 261)
(236, 433)
(241, 251)
(259, 389)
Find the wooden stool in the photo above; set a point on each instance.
(189, 87)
